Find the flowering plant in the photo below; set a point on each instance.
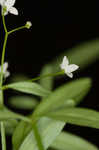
(43, 129)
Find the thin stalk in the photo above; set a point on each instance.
(3, 55)
(5, 87)
(3, 138)
(17, 29)
(4, 24)
(2, 97)
(47, 75)
(38, 137)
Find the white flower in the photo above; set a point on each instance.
(28, 24)
(5, 72)
(68, 68)
(8, 6)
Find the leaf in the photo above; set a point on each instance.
(75, 90)
(49, 129)
(81, 55)
(29, 88)
(6, 114)
(47, 82)
(52, 128)
(67, 141)
(18, 137)
(25, 129)
(77, 116)
(23, 102)
(23, 137)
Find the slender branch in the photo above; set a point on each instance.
(3, 138)
(1, 82)
(2, 59)
(47, 75)
(3, 55)
(17, 29)
(5, 87)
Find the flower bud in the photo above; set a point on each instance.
(28, 24)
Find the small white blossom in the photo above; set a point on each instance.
(68, 68)
(8, 6)
(5, 72)
(28, 24)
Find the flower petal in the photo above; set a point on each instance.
(72, 68)
(7, 74)
(13, 10)
(65, 60)
(2, 2)
(9, 3)
(70, 75)
(5, 66)
(64, 63)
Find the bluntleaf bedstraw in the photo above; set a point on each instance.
(7, 6)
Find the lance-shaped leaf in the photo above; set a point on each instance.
(67, 141)
(29, 88)
(25, 129)
(75, 90)
(18, 137)
(81, 55)
(21, 137)
(49, 129)
(77, 116)
(6, 114)
(23, 102)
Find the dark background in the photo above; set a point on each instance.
(57, 26)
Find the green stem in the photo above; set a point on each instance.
(4, 24)
(3, 138)
(2, 58)
(17, 29)
(38, 137)
(3, 55)
(1, 100)
(47, 75)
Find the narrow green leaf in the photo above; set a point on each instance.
(47, 82)
(23, 102)
(49, 129)
(52, 129)
(6, 114)
(77, 116)
(81, 55)
(25, 129)
(18, 137)
(67, 141)
(75, 90)
(21, 137)
(29, 88)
